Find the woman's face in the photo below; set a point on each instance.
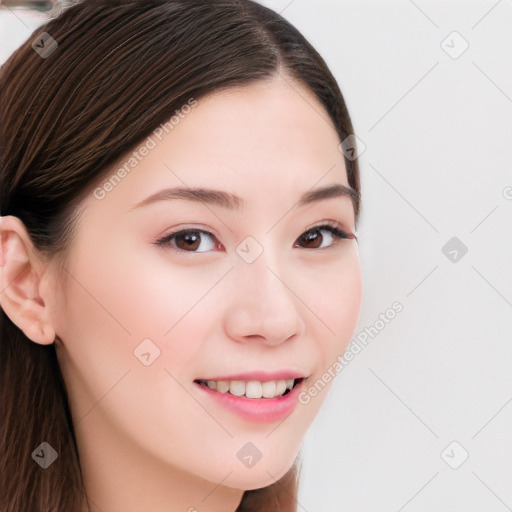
(255, 292)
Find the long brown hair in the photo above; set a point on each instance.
(121, 68)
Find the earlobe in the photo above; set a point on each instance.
(20, 278)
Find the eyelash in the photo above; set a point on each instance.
(333, 229)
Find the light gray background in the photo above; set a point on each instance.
(437, 131)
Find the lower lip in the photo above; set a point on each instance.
(257, 410)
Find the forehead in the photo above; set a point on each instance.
(277, 117)
(270, 140)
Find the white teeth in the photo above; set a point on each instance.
(223, 386)
(237, 387)
(269, 389)
(253, 388)
(280, 387)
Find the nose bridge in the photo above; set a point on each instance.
(263, 303)
(263, 270)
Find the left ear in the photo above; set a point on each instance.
(21, 280)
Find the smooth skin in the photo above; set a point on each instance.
(148, 438)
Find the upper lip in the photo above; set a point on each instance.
(260, 375)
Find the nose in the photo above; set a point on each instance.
(262, 304)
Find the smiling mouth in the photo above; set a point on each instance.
(253, 388)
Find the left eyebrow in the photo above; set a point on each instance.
(336, 190)
(233, 202)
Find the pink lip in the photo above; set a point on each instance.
(256, 410)
(261, 376)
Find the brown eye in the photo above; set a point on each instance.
(189, 240)
(198, 240)
(313, 238)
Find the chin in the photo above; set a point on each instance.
(260, 475)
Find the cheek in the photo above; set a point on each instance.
(135, 292)
(334, 294)
(111, 310)
(111, 307)
(346, 306)
(133, 310)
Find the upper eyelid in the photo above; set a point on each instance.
(331, 223)
(324, 223)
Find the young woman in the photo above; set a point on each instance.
(179, 269)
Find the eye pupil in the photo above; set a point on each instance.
(190, 239)
(312, 236)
